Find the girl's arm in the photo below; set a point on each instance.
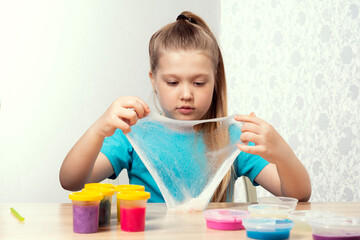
(285, 175)
(84, 163)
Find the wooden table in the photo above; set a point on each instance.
(54, 221)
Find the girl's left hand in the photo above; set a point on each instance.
(268, 142)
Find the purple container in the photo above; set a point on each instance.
(85, 211)
(85, 218)
(335, 228)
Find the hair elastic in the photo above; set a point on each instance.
(181, 16)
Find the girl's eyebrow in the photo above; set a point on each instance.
(169, 75)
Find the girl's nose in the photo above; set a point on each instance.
(186, 92)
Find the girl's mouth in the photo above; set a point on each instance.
(186, 110)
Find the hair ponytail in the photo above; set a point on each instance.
(190, 32)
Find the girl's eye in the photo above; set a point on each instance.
(199, 83)
(172, 83)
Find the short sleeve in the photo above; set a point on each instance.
(249, 165)
(118, 150)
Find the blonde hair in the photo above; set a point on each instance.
(192, 33)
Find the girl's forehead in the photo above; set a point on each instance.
(185, 60)
(183, 53)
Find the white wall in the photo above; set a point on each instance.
(62, 64)
(296, 64)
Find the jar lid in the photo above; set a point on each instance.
(133, 195)
(129, 187)
(104, 191)
(268, 224)
(339, 223)
(97, 185)
(266, 208)
(86, 196)
(225, 215)
(287, 201)
(307, 215)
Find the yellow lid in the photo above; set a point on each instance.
(133, 195)
(86, 196)
(97, 185)
(104, 191)
(129, 187)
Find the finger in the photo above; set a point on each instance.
(133, 100)
(246, 143)
(248, 118)
(145, 107)
(128, 115)
(250, 137)
(139, 109)
(126, 131)
(252, 114)
(249, 149)
(120, 124)
(250, 127)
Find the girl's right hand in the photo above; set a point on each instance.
(122, 114)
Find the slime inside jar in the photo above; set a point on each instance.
(336, 228)
(225, 219)
(85, 218)
(104, 212)
(132, 219)
(268, 228)
(268, 235)
(318, 237)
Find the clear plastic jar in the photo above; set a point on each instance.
(126, 188)
(85, 211)
(133, 210)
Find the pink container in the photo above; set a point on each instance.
(133, 210)
(225, 219)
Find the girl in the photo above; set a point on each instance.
(188, 77)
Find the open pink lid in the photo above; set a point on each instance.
(225, 215)
(225, 219)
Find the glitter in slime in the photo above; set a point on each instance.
(267, 228)
(85, 211)
(133, 210)
(187, 164)
(133, 219)
(85, 218)
(225, 219)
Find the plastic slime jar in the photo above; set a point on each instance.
(269, 210)
(267, 228)
(225, 219)
(126, 188)
(132, 210)
(287, 201)
(85, 211)
(335, 228)
(105, 204)
(302, 218)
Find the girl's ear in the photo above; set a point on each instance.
(152, 80)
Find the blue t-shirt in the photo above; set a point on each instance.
(122, 155)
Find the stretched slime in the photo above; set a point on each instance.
(187, 159)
